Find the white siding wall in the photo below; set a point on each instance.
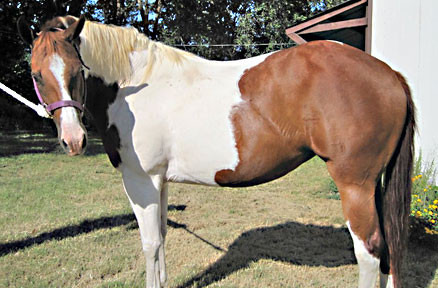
(404, 35)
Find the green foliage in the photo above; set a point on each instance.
(199, 22)
(176, 22)
(265, 22)
(424, 205)
(333, 189)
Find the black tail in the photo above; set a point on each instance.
(397, 191)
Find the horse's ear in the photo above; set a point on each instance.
(72, 32)
(25, 31)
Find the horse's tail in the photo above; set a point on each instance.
(397, 190)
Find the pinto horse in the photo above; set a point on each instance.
(166, 115)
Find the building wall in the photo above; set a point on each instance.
(403, 34)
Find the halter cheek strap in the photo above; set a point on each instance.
(56, 105)
(35, 86)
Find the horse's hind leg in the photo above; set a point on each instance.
(359, 207)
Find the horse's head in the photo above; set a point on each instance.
(57, 71)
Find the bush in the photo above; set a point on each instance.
(333, 189)
(424, 205)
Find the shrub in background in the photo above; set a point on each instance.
(333, 189)
(424, 205)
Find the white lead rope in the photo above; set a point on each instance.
(38, 108)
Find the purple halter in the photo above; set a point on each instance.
(59, 104)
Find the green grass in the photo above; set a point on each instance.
(66, 222)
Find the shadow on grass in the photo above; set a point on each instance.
(84, 227)
(26, 142)
(311, 245)
(291, 242)
(422, 258)
(35, 142)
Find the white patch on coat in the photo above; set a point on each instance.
(386, 281)
(368, 264)
(69, 115)
(390, 283)
(180, 122)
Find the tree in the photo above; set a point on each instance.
(174, 22)
(264, 22)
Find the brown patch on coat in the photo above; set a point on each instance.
(270, 141)
(321, 98)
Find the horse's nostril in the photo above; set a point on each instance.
(64, 144)
(84, 142)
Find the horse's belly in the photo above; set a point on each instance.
(201, 139)
(177, 132)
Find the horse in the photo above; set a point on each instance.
(166, 115)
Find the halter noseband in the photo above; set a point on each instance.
(56, 105)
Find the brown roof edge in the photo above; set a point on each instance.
(306, 26)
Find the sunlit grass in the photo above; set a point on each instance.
(66, 222)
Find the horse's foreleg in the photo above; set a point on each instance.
(164, 203)
(144, 194)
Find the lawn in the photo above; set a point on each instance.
(66, 222)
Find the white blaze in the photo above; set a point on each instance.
(68, 114)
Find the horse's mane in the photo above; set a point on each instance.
(109, 48)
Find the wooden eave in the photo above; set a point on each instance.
(315, 25)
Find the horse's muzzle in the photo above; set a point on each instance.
(74, 143)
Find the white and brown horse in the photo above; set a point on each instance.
(167, 115)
